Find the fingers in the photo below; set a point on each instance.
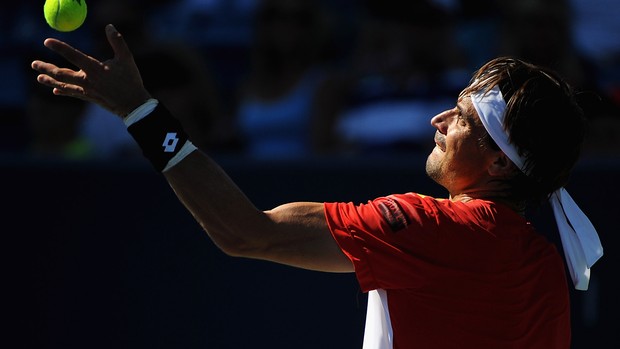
(53, 76)
(64, 87)
(61, 74)
(118, 44)
(71, 54)
(114, 84)
(61, 87)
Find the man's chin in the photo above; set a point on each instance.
(432, 168)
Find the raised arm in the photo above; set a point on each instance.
(294, 234)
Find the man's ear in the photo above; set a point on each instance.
(501, 166)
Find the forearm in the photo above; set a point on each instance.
(217, 204)
(294, 234)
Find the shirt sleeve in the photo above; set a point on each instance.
(392, 241)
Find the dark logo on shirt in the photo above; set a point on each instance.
(393, 214)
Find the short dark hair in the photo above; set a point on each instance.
(543, 119)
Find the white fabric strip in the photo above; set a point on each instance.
(143, 111)
(378, 333)
(580, 241)
(140, 112)
(491, 107)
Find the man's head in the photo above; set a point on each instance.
(544, 123)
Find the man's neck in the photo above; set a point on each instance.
(518, 206)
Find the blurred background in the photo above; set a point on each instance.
(298, 100)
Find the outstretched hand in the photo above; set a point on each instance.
(114, 84)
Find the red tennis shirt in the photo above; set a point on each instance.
(443, 274)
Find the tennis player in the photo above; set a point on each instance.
(468, 271)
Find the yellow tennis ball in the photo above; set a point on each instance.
(65, 15)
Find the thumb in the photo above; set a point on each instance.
(118, 44)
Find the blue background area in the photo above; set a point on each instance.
(99, 253)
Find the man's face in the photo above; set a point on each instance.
(459, 162)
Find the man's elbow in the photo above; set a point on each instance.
(249, 236)
(234, 246)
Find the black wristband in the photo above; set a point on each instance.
(159, 135)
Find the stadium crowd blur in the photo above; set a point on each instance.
(282, 79)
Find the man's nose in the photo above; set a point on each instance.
(440, 121)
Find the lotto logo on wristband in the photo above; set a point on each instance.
(160, 136)
(170, 143)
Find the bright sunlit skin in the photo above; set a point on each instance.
(459, 162)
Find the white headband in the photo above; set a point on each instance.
(581, 244)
